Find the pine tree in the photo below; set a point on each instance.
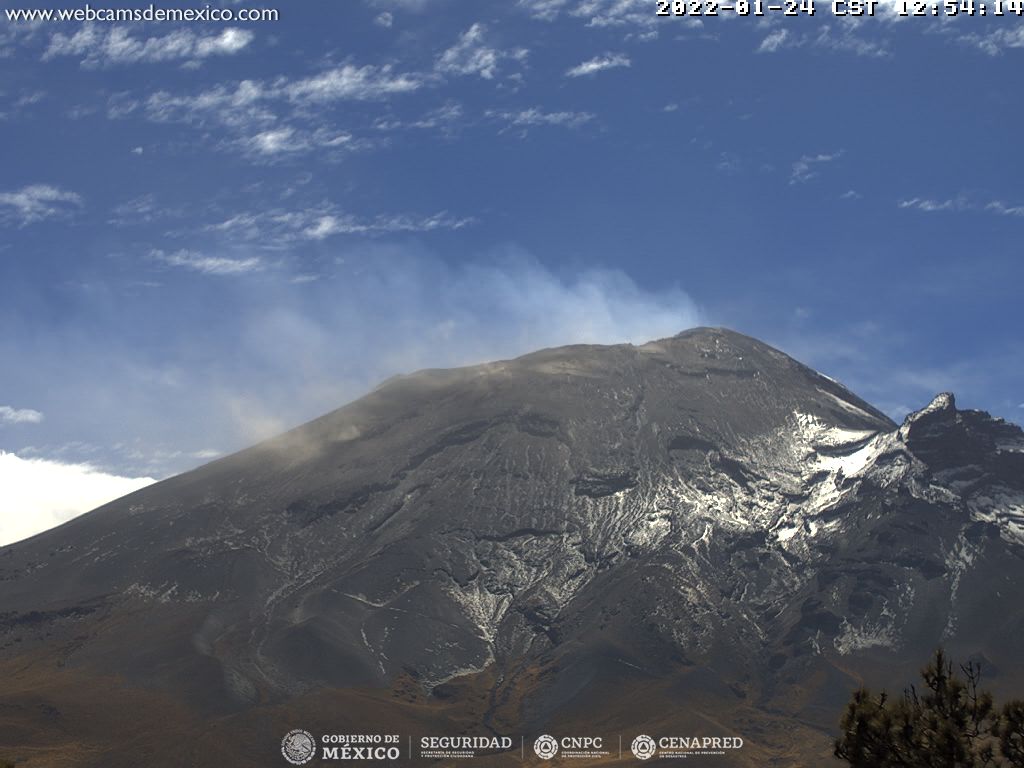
(950, 723)
(1010, 731)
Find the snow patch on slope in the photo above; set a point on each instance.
(884, 631)
(1004, 507)
(845, 405)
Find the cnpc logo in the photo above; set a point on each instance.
(546, 747)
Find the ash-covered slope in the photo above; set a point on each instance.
(543, 526)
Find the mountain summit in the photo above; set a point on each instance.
(699, 530)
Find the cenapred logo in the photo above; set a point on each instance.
(546, 747)
(298, 747)
(643, 747)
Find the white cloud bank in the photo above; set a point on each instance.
(40, 494)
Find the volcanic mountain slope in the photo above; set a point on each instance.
(699, 534)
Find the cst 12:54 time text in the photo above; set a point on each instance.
(838, 7)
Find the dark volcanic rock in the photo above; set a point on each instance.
(701, 508)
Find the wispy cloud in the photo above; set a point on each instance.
(997, 206)
(277, 140)
(143, 209)
(635, 14)
(346, 83)
(100, 46)
(843, 38)
(27, 99)
(534, 116)
(729, 163)
(775, 40)
(416, 6)
(9, 415)
(243, 105)
(445, 118)
(278, 117)
(277, 228)
(808, 166)
(934, 206)
(471, 55)
(37, 202)
(329, 225)
(40, 494)
(599, 64)
(287, 139)
(22, 105)
(209, 265)
(546, 10)
(996, 43)
(960, 204)
(253, 102)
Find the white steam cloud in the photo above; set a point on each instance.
(269, 349)
(326, 342)
(38, 494)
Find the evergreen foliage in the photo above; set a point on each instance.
(949, 723)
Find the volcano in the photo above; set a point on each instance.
(695, 536)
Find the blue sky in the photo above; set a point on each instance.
(213, 231)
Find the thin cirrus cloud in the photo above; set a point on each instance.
(277, 140)
(959, 204)
(40, 494)
(37, 202)
(596, 13)
(329, 225)
(9, 415)
(599, 64)
(534, 116)
(845, 40)
(347, 82)
(809, 166)
(774, 41)
(289, 140)
(997, 206)
(209, 265)
(279, 228)
(471, 55)
(996, 43)
(275, 118)
(546, 10)
(250, 101)
(100, 47)
(933, 206)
